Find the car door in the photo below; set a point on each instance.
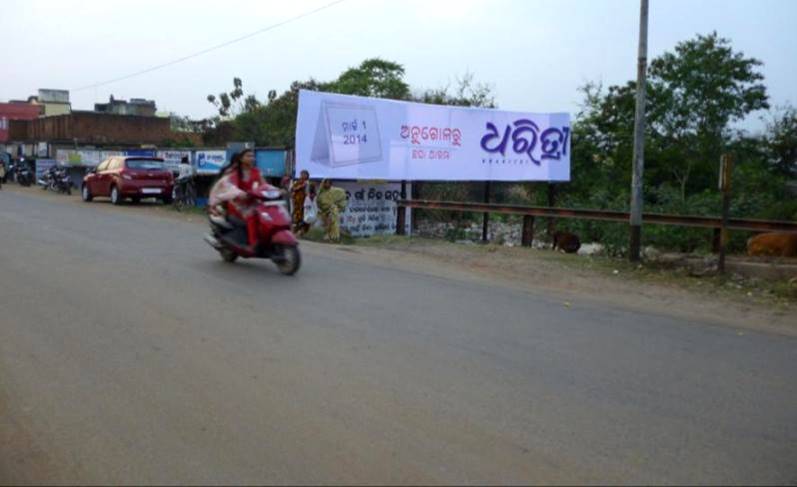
(111, 174)
(95, 179)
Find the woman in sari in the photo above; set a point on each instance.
(331, 203)
(299, 191)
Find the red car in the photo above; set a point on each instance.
(129, 177)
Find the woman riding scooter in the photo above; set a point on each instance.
(231, 192)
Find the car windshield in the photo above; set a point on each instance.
(145, 164)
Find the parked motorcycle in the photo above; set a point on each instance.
(56, 179)
(45, 180)
(22, 173)
(275, 239)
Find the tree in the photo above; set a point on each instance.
(781, 141)
(695, 93)
(230, 105)
(373, 77)
(468, 93)
(184, 124)
(273, 121)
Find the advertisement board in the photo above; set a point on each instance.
(352, 137)
(43, 165)
(371, 209)
(84, 157)
(210, 161)
(172, 158)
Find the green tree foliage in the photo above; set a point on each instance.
(273, 122)
(695, 95)
(374, 77)
(781, 142)
(696, 92)
(468, 93)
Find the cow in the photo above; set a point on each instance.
(773, 244)
(566, 242)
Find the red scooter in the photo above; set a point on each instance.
(275, 240)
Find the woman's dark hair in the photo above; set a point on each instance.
(235, 163)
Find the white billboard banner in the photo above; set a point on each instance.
(352, 137)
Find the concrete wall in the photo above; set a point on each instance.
(99, 128)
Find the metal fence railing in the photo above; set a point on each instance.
(529, 212)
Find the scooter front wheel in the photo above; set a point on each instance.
(288, 260)
(228, 255)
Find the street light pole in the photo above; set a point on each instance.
(639, 136)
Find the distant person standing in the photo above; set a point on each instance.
(299, 191)
(185, 174)
(331, 203)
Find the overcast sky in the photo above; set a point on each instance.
(535, 54)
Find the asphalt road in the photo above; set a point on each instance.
(129, 353)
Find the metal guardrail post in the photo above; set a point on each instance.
(486, 221)
(527, 237)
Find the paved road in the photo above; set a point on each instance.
(129, 353)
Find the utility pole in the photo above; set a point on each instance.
(639, 135)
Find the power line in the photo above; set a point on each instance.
(213, 48)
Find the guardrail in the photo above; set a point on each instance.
(529, 212)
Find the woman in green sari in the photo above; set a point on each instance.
(331, 203)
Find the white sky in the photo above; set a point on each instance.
(535, 54)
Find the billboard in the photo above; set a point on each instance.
(209, 161)
(352, 137)
(172, 158)
(371, 208)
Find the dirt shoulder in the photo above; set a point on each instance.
(570, 279)
(578, 279)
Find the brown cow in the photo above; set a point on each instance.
(566, 241)
(773, 244)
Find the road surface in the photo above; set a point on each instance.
(130, 353)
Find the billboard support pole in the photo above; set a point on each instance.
(401, 211)
(486, 220)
